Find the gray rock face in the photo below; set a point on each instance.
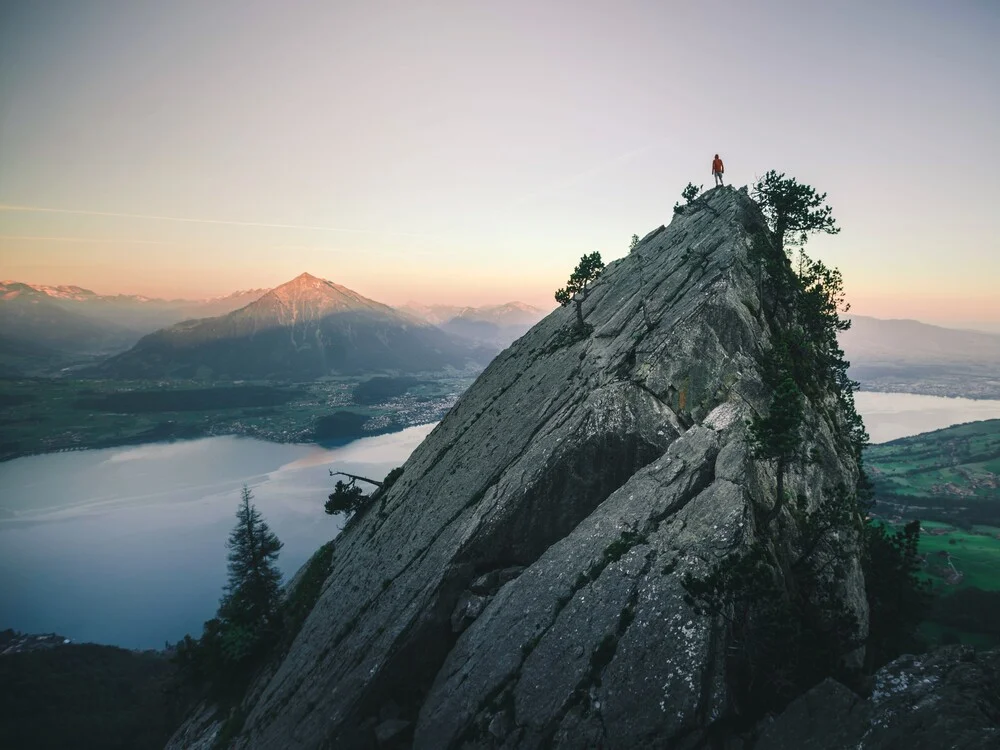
(947, 699)
(519, 585)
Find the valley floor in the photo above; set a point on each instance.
(47, 415)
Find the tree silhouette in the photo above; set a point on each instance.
(776, 437)
(346, 497)
(690, 192)
(587, 271)
(250, 608)
(792, 210)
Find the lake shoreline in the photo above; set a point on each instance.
(139, 440)
(44, 417)
(180, 432)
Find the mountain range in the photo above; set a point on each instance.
(46, 328)
(495, 325)
(134, 312)
(306, 328)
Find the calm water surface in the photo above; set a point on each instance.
(890, 416)
(127, 545)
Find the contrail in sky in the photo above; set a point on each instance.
(97, 241)
(183, 220)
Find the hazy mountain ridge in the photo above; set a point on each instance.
(492, 325)
(73, 324)
(908, 356)
(34, 318)
(306, 328)
(508, 313)
(902, 340)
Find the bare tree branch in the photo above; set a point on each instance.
(355, 477)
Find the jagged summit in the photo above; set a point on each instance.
(520, 584)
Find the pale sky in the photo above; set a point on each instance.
(469, 152)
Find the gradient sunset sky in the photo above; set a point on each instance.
(470, 152)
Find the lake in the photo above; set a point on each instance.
(127, 545)
(890, 416)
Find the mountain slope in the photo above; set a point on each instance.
(304, 329)
(872, 340)
(33, 317)
(493, 325)
(72, 324)
(914, 357)
(520, 584)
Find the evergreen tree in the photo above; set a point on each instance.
(250, 607)
(587, 271)
(793, 210)
(777, 436)
(689, 194)
(897, 599)
(346, 497)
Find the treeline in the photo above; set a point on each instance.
(381, 388)
(963, 512)
(89, 696)
(188, 399)
(969, 610)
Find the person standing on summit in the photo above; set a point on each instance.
(717, 170)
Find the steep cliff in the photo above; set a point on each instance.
(520, 584)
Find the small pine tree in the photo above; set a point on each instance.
(776, 437)
(251, 604)
(793, 210)
(691, 192)
(635, 242)
(346, 497)
(586, 272)
(249, 618)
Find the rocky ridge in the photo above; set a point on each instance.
(520, 584)
(949, 698)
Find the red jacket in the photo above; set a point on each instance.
(717, 166)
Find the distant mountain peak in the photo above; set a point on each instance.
(315, 297)
(306, 327)
(305, 278)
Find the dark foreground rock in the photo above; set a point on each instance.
(947, 699)
(520, 584)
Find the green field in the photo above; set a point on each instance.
(950, 475)
(963, 570)
(950, 480)
(975, 555)
(40, 415)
